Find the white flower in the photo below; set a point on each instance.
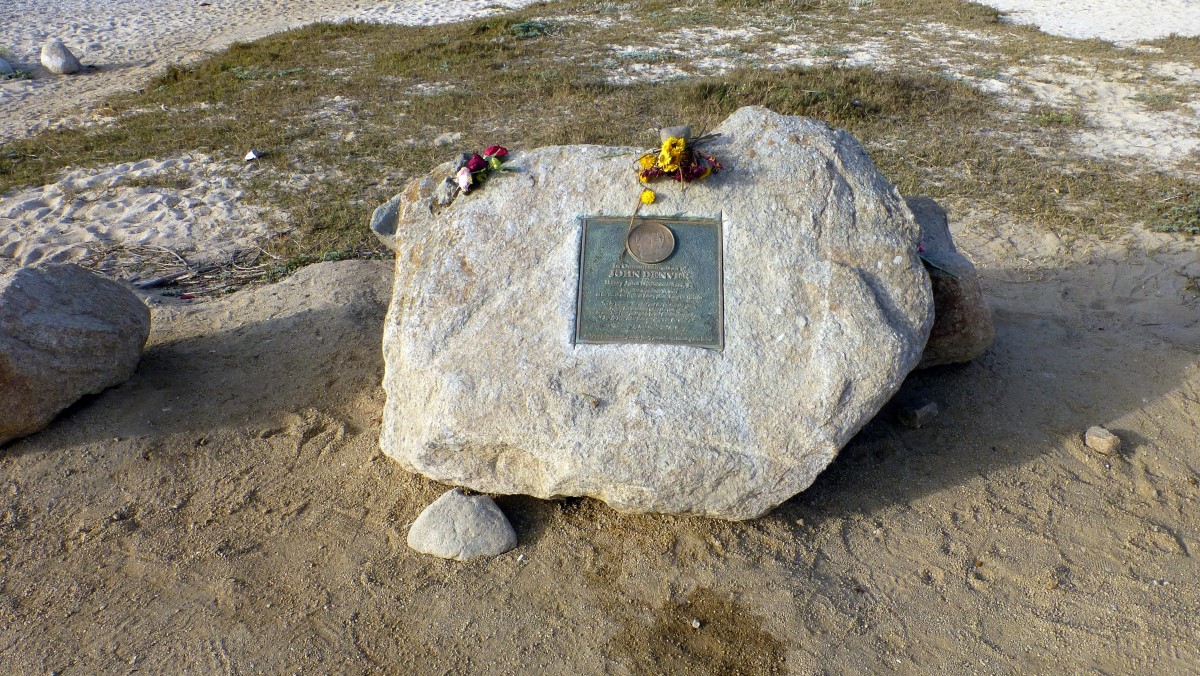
(463, 177)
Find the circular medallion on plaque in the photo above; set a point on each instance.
(651, 243)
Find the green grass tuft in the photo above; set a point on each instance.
(1181, 218)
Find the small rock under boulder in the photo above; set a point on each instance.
(916, 412)
(462, 527)
(64, 332)
(827, 309)
(962, 324)
(58, 59)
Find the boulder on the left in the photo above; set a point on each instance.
(64, 332)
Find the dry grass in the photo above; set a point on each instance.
(539, 77)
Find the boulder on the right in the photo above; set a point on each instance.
(962, 324)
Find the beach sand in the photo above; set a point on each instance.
(228, 509)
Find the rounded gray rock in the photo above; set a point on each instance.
(6, 68)
(461, 527)
(64, 332)
(58, 59)
(383, 220)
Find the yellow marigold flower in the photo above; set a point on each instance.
(646, 161)
(647, 196)
(671, 153)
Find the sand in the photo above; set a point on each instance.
(1125, 23)
(228, 510)
(94, 215)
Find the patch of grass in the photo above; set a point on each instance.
(1178, 47)
(286, 267)
(259, 73)
(1181, 218)
(166, 180)
(532, 29)
(646, 56)
(1157, 100)
(983, 73)
(1058, 118)
(830, 51)
(964, 13)
(17, 74)
(788, 5)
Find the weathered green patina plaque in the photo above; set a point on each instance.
(679, 299)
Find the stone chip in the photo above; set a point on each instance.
(1102, 441)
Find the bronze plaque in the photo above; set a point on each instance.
(657, 280)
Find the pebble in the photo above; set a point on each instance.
(448, 139)
(1102, 441)
(917, 412)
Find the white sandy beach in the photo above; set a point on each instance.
(1125, 22)
(131, 40)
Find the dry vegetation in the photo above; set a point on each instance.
(348, 112)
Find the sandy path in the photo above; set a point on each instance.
(228, 510)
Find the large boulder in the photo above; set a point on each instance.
(962, 327)
(827, 308)
(64, 332)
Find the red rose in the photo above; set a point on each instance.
(496, 151)
(476, 162)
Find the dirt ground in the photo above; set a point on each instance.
(228, 509)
